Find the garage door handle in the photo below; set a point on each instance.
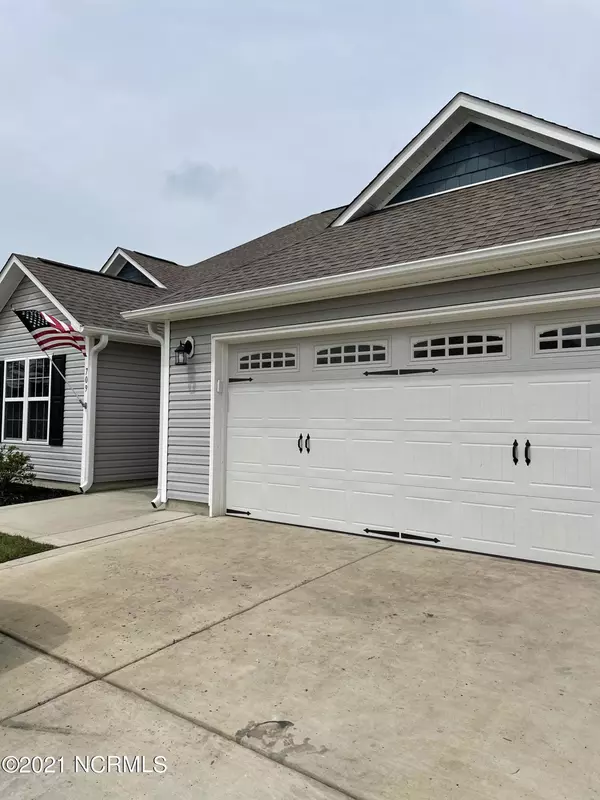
(300, 443)
(308, 442)
(515, 452)
(527, 451)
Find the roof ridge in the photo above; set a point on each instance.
(155, 258)
(83, 270)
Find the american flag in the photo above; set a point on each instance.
(50, 332)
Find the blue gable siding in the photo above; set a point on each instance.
(475, 154)
(130, 273)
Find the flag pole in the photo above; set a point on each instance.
(81, 402)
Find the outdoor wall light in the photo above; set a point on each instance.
(183, 351)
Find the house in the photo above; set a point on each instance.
(88, 420)
(419, 365)
(422, 364)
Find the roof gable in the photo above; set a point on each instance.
(474, 155)
(154, 271)
(462, 109)
(85, 298)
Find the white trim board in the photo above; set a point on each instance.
(438, 269)
(462, 109)
(220, 343)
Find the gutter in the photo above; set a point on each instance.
(163, 436)
(117, 335)
(89, 415)
(500, 258)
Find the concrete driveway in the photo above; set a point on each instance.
(263, 661)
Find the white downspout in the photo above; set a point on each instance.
(163, 435)
(88, 443)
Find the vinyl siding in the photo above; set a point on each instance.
(127, 413)
(50, 463)
(189, 391)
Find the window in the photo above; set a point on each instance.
(26, 400)
(460, 345)
(580, 336)
(268, 359)
(349, 354)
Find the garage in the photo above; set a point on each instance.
(484, 440)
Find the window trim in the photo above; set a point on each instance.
(446, 334)
(268, 370)
(356, 342)
(566, 351)
(25, 400)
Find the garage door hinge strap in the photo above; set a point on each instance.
(414, 538)
(393, 534)
(235, 511)
(240, 380)
(399, 371)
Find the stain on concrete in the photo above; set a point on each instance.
(30, 726)
(275, 738)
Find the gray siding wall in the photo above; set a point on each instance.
(127, 413)
(50, 463)
(189, 393)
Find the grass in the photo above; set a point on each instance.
(18, 546)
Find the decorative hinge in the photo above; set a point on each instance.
(235, 511)
(414, 538)
(399, 371)
(240, 380)
(392, 534)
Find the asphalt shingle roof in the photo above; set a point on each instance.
(93, 299)
(559, 199)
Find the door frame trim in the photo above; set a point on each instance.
(220, 342)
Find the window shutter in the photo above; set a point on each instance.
(1, 396)
(57, 400)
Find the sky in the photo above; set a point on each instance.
(182, 128)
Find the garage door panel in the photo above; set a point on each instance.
(328, 455)
(563, 531)
(427, 459)
(425, 514)
(325, 407)
(327, 503)
(373, 505)
(373, 406)
(372, 456)
(283, 405)
(486, 464)
(280, 452)
(273, 497)
(246, 407)
(245, 449)
(562, 403)
(488, 519)
(424, 404)
(487, 406)
(565, 467)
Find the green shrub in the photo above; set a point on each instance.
(15, 470)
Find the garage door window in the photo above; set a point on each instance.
(460, 345)
(348, 354)
(581, 336)
(268, 359)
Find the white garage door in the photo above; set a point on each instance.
(427, 456)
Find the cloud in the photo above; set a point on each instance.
(197, 179)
